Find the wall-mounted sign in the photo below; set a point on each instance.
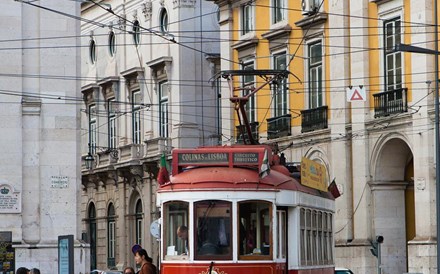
(313, 174)
(59, 182)
(10, 200)
(65, 254)
(356, 94)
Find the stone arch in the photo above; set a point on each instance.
(389, 154)
(391, 159)
(320, 156)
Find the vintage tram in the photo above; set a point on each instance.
(235, 210)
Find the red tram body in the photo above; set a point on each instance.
(242, 214)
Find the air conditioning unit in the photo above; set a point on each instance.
(308, 7)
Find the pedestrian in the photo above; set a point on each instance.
(34, 271)
(147, 267)
(22, 270)
(129, 270)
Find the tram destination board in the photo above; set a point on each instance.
(218, 158)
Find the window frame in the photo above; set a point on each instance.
(111, 116)
(164, 21)
(139, 221)
(164, 109)
(92, 229)
(136, 32)
(315, 71)
(92, 51)
(136, 116)
(93, 129)
(246, 81)
(261, 256)
(316, 237)
(280, 99)
(172, 220)
(111, 235)
(223, 204)
(112, 43)
(279, 11)
(247, 14)
(396, 71)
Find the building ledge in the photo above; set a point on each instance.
(308, 21)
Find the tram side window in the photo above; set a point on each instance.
(213, 230)
(254, 225)
(176, 234)
(316, 237)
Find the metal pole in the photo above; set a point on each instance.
(379, 259)
(437, 144)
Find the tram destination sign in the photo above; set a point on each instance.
(203, 158)
(222, 158)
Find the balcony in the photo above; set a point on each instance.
(279, 126)
(156, 146)
(242, 129)
(390, 102)
(313, 119)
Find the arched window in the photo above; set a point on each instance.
(111, 43)
(92, 235)
(92, 51)
(139, 221)
(111, 236)
(163, 21)
(136, 33)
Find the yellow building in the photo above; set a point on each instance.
(352, 103)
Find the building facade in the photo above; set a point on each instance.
(40, 178)
(147, 88)
(352, 103)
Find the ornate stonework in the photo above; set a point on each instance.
(147, 10)
(184, 3)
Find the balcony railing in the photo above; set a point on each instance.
(242, 129)
(390, 102)
(313, 119)
(279, 126)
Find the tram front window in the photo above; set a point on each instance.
(255, 218)
(213, 230)
(176, 230)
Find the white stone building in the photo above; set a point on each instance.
(146, 69)
(40, 139)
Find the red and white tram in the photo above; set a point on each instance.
(243, 215)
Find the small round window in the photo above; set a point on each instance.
(111, 43)
(136, 33)
(164, 21)
(92, 51)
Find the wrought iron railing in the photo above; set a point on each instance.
(390, 102)
(279, 126)
(313, 119)
(241, 130)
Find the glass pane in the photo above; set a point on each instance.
(213, 230)
(255, 229)
(176, 232)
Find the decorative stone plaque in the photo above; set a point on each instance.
(10, 200)
(59, 182)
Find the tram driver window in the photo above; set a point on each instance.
(213, 230)
(176, 219)
(255, 230)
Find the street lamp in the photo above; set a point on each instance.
(435, 52)
(89, 161)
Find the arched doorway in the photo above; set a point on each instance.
(393, 202)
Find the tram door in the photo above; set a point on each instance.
(281, 251)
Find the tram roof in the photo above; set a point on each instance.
(236, 179)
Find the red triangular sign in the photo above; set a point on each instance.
(356, 96)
